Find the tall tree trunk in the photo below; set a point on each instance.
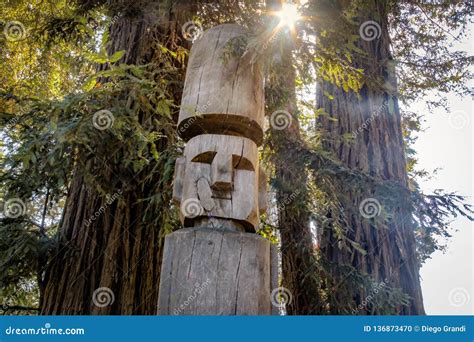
(374, 121)
(297, 247)
(119, 250)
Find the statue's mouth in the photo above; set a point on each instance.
(208, 195)
(219, 194)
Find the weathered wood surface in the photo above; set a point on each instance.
(222, 94)
(209, 272)
(216, 267)
(219, 176)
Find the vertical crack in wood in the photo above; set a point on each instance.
(233, 86)
(196, 107)
(237, 276)
(192, 252)
(217, 270)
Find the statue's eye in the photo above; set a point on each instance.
(238, 162)
(206, 157)
(242, 163)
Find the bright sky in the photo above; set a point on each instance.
(447, 143)
(443, 145)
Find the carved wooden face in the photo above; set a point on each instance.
(219, 177)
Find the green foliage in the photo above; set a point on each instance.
(114, 127)
(338, 287)
(423, 34)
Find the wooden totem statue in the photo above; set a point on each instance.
(216, 264)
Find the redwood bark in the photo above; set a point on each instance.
(378, 149)
(119, 250)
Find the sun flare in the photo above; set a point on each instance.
(288, 15)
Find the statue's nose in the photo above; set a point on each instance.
(222, 172)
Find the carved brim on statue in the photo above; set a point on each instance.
(226, 124)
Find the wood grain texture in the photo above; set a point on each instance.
(222, 95)
(209, 272)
